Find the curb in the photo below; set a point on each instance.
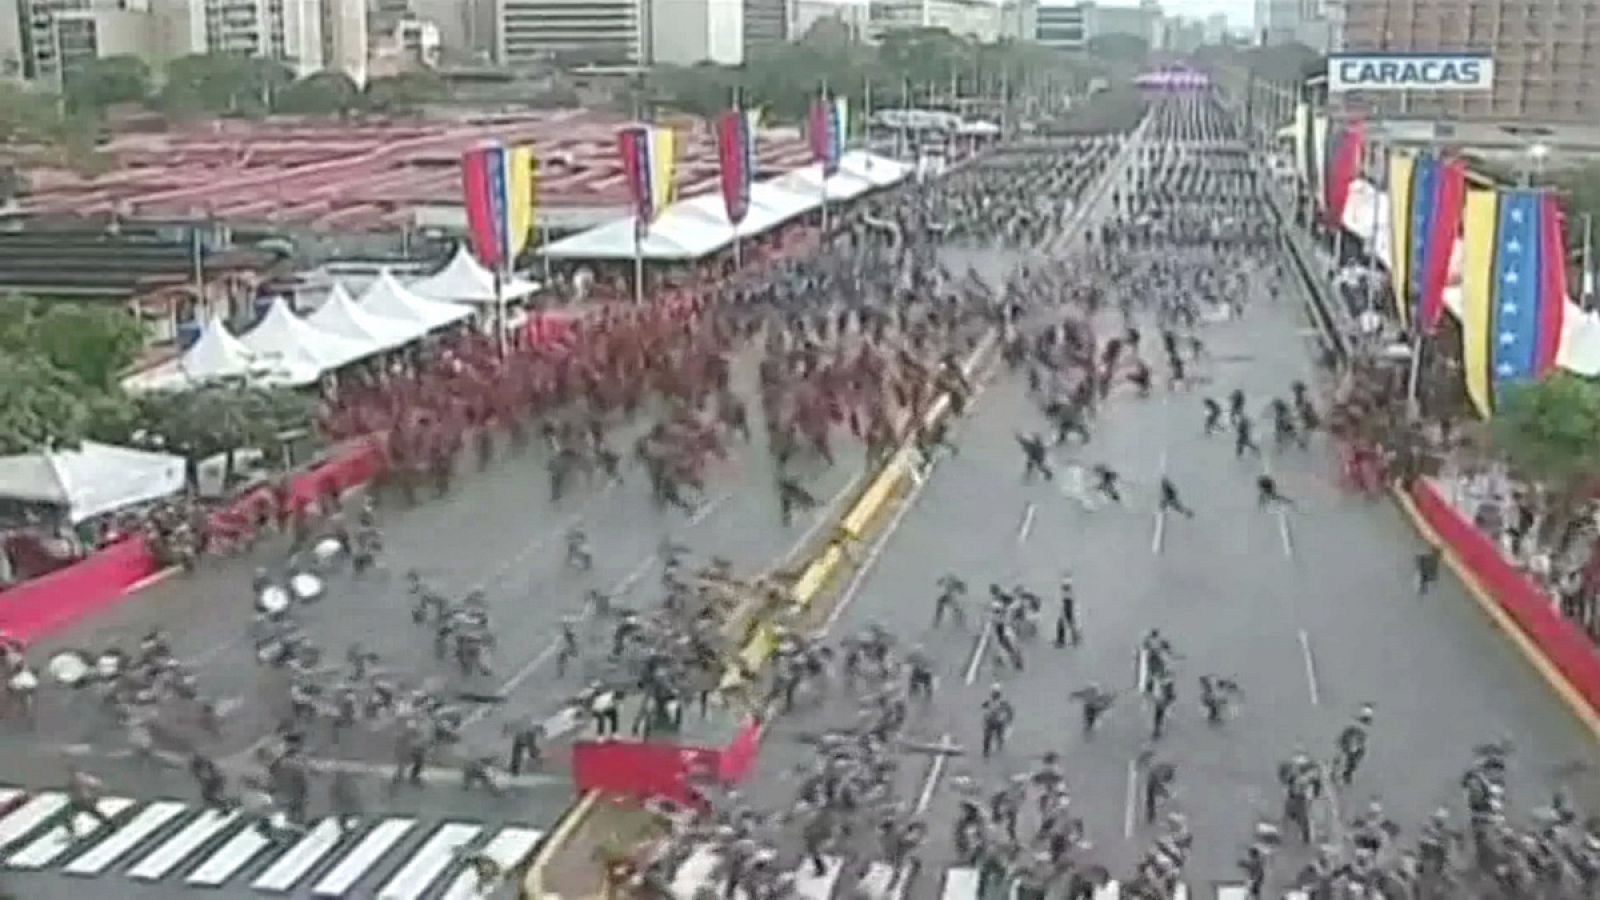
(533, 884)
(1530, 651)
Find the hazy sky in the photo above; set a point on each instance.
(1239, 12)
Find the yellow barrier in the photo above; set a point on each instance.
(533, 884)
(816, 575)
(855, 522)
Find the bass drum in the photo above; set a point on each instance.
(306, 587)
(327, 550)
(274, 600)
(71, 668)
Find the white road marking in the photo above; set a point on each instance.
(1131, 802)
(124, 839)
(1158, 538)
(508, 849)
(229, 859)
(282, 876)
(976, 661)
(960, 884)
(427, 864)
(25, 818)
(1141, 670)
(808, 885)
(1027, 524)
(931, 780)
(171, 854)
(1311, 668)
(1283, 532)
(366, 854)
(47, 847)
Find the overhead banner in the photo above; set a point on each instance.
(1409, 72)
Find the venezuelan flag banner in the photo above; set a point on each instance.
(648, 162)
(1401, 167)
(733, 156)
(1419, 225)
(1319, 158)
(1513, 290)
(1444, 226)
(824, 131)
(1344, 162)
(497, 185)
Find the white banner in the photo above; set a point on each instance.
(1410, 72)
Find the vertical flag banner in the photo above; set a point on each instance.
(1319, 157)
(823, 132)
(1512, 301)
(1349, 143)
(497, 191)
(1424, 180)
(1444, 224)
(1401, 166)
(752, 125)
(733, 155)
(841, 126)
(648, 163)
(1302, 143)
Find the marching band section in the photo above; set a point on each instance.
(168, 845)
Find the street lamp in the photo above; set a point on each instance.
(1536, 154)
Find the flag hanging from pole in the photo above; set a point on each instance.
(1344, 162)
(1513, 285)
(733, 156)
(497, 192)
(1401, 167)
(825, 132)
(1419, 225)
(1444, 226)
(648, 162)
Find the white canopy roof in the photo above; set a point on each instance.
(217, 354)
(465, 280)
(684, 231)
(339, 315)
(387, 297)
(282, 335)
(879, 171)
(770, 206)
(844, 185)
(91, 480)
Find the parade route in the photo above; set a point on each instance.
(1311, 607)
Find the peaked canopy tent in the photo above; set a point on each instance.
(879, 171)
(770, 206)
(282, 335)
(339, 315)
(843, 185)
(215, 355)
(465, 280)
(91, 480)
(388, 298)
(683, 232)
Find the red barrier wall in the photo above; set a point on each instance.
(1561, 642)
(641, 768)
(43, 606)
(740, 754)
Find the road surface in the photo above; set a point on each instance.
(497, 532)
(1312, 609)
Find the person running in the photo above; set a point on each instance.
(1171, 501)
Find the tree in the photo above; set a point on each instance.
(95, 84)
(220, 418)
(321, 94)
(40, 406)
(26, 115)
(405, 92)
(222, 84)
(88, 343)
(1549, 433)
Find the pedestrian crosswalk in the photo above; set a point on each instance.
(175, 843)
(701, 875)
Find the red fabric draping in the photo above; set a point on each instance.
(642, 768)
(41, 607)
(1560, 641)
(1342, 170)
(740, 754)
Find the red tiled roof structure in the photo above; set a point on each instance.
(358, 176)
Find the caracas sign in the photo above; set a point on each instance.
(1410, 72)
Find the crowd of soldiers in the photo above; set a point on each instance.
(1181, 246)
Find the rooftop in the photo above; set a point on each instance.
(358, 176)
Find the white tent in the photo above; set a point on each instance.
(465, 280)
(91, 480)
(844, 185)
(683, 232)
(282, 335)
(879, 171)
(216, 354)
(770, 206)
(387, 297)
(340, 315)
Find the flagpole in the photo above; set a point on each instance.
(500, 312)
(1586, 280)
(1372, 242)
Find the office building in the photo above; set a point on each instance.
(10, 39)
(1062, 27)
(1294, 22)
(1546, 56)
(853, 16)
(767, 24)
(53, 35)
(687, 32)
(976, 20)
(1073, 27)
(345, 46)
(1216, 29)
(573, 32)
(288, 31)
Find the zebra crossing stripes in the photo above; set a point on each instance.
(813, 885)
(1233, 892)
(371, 849)
(176, 849)
(282, 875)
(425, 867)
(508, 849)
(58, 840)
(226, 862)
(960, 884)
(105, 854)
(29, 816)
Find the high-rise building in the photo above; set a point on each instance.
(1546, 56)
(10, 39)
(766, 24)
(687, 32)
(1216, 28)
(586, 32)
(1062, 27)
(1294, 22)
(852, 16)
(288, 31)
(54, 35)
(977, 20)
(344, 38)
(1073, 27)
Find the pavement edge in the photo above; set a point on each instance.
(1491, 607)
(533, 884)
